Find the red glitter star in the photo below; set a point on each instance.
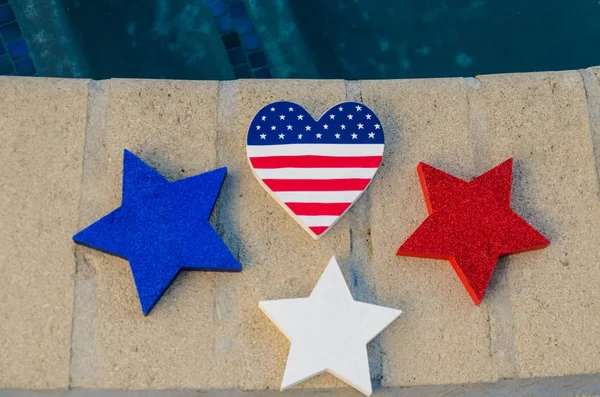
(470, 224)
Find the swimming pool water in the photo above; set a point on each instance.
(350, 39)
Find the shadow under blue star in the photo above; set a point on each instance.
(162, 228)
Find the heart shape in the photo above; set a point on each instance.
(315, 170)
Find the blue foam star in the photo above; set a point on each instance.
(162, 228)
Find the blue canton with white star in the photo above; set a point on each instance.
(288, 123)
(162, 228)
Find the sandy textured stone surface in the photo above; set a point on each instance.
(280, 259)
(171, 125)
(207, 324)
(42, 125)
(542, 121)
(568, 386)
(441, 337)
(61, 169)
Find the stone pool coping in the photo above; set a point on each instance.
(70, 315)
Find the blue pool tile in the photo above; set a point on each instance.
(237, 10)
(24, 67)
(17, 49)
(263, 73)
(6, 14)
(242, 72)
(2, 49)
(231, 40)
(250, 42)
(5, 65)
(217, 7)
(236, 56)
(224, 23)
(257, 59)
(243, 25)
(10, 32)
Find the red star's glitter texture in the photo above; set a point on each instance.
(470, 224)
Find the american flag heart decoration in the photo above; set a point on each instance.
(315, 170)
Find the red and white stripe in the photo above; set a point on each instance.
(317, 182)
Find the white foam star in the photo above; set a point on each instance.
(329, 331)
